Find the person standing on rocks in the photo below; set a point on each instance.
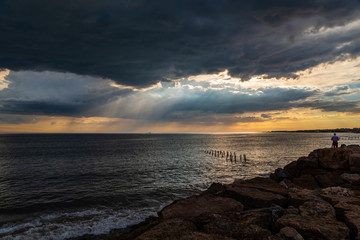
(335, 140)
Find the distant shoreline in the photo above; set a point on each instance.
(347, 130)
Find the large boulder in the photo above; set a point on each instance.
(236, 228)
(289, 233)
(280, 174)
(354, 163)
(314, 228)
(307, 162)
(170, 229)
(334, 158)
(319, 209)
(352, 178)
(347, 207)
(263, 217)
(194, 206)
(354, 148)
(265, 184)
(255, 198)
(313, 172)
(257, 193)
(292, 169)
(300, 196)
(306, 181)
(329, 179)
(350, 214)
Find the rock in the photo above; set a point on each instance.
(338, 191)
(329, 179)
(283, 184)
(314, 227)
(350, 214)
(307, 162)
(315, 209)
(292, 210)
(355, 189)
(259, 218)
(334, 158)
(221, 225)
(265, 184)
(343, 145)
(286, 183)
(168, 229)
(347, 207)
(254, 197)
(306, 181)
(289, 233)
(197, 205)
(352, 220)
(300, 196)
(276, 212)
(351, 178)
(200, 236)
(263, 217)
(354, 148)
(292, 169)
(281, 174)
(313, 154)
(313, 172)
(215, 189)
(354, 162)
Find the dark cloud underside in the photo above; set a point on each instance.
(139, 42)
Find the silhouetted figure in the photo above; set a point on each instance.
(335, 140)
(245, 157)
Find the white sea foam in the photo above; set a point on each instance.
(58, 226)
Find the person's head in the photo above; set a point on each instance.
(334, 133)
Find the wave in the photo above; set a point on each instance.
(63, 225)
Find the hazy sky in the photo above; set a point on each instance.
(179, 65)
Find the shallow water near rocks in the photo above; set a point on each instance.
(57, 186)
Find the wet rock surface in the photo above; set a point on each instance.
(316, 197)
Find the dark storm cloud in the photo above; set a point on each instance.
(337, 91)
(223, 102)
(335, 105)
(56, 94)
(141, 42)
(219, 105)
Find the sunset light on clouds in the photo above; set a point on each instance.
(177, 67)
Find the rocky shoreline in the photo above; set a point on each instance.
(315, 197)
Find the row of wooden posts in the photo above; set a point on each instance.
(229, 155)
(349, 138)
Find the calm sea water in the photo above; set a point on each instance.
(56, 186)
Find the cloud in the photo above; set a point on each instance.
(333, 105)
(57, 94)
(142, 42)
(265, 115)
(338, 91)
(219, 101)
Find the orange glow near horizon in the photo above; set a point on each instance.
(297, 119)
(154, 109)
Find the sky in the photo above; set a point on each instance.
(179, 65)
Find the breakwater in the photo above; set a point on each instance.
(315, 197)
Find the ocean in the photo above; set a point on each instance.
(59, 186)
